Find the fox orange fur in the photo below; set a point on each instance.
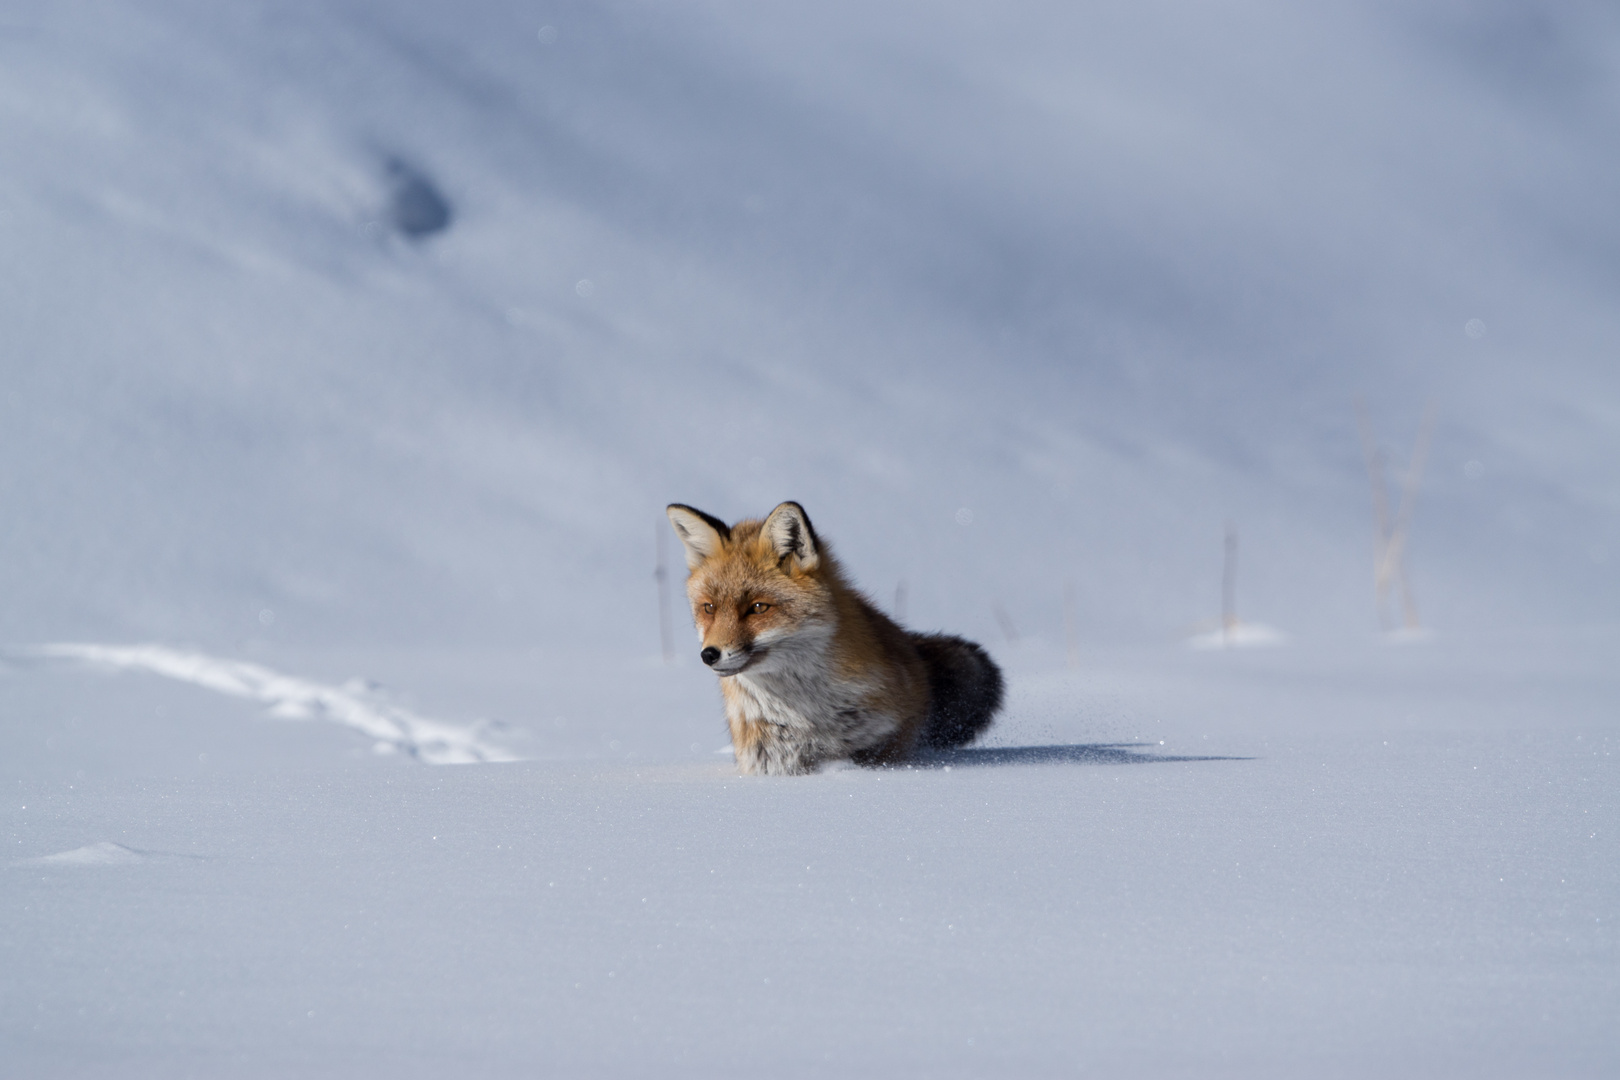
(810, 670)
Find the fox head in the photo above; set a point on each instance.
(758, 588)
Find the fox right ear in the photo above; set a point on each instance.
(702, 536)
(792, 536)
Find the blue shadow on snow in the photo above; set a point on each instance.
(1068, 754)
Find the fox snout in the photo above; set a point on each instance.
(730, 660)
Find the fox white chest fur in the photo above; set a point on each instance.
(793, 716)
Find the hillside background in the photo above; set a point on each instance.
(1106, 278)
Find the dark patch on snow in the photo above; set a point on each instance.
(415, 205)
(1072, 754)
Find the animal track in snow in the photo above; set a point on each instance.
(435, 742)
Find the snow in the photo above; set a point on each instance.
(1267, 862)
(104, 853)
(353, 349)
(1240, 635)
(393, 728)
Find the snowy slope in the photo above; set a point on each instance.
(1106, 279)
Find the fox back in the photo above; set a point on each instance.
(811, 672)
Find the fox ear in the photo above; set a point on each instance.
(789, 532)
(702, 536)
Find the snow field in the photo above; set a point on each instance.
(1388, 856)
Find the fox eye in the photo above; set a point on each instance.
(708, 609)
(759, 608)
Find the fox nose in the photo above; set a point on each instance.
(710, 655)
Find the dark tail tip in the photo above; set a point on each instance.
(965, 690)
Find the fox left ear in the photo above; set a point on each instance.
(703, 536)
(788, 529)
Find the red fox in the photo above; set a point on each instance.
(811, 671)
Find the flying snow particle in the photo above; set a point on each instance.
(1474, 329)
(548, 35)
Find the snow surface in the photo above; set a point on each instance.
(393, 728)
(1248, 863)
(1242, 635)
(104, 853)
(352, 350)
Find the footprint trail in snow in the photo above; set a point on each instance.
(435, 742)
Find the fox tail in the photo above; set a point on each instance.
(964, 690)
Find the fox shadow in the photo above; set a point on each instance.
(1065, 754)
